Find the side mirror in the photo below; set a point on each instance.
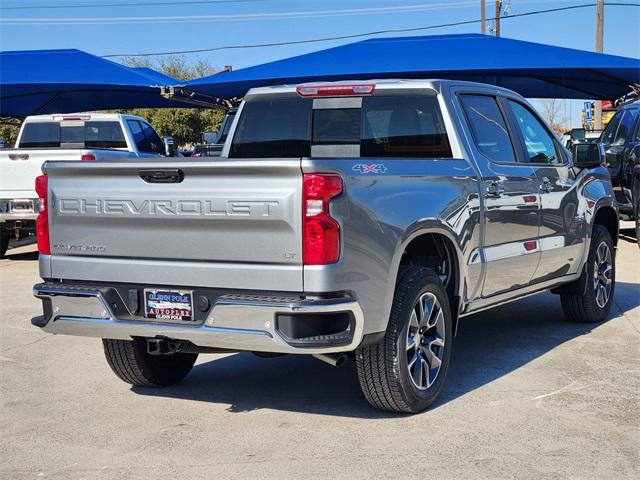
(169, 146)
(588, 155)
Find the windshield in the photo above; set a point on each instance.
(96, 134)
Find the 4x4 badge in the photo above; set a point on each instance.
(370, 168)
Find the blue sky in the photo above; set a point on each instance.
(128, 30)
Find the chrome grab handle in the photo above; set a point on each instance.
(546, 185)
(495, 189)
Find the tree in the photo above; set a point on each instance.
(185, 125)
(552, 112)
(9, 128)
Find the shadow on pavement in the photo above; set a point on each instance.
(489, 345)
(628, 235)
(22, 256)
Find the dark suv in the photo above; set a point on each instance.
(621, 141)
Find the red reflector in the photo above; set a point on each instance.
(333, 90)
(87, 157)
(591, 203)
(321, 233)
(531, 245)
(529, 198)
(42, 221)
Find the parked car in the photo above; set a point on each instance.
(77, 136)
(350, 219)
(621, 141)
(214, 148)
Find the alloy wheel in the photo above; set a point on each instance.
(602, 274)
(425, 341)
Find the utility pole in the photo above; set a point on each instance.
(597, 108)
(497, 15)
(482, 17)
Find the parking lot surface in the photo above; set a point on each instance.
(528, 395)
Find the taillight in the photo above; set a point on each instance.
(321, 233)
(42, 222)
(335, 90)
(87, 157)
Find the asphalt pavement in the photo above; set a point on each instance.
(529, 395)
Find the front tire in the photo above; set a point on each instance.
(589, 299)
(406, 371)
(130, 361)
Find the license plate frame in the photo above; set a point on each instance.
(168, 305)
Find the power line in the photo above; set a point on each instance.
(141, 4)
(230, 17)
(365, 34)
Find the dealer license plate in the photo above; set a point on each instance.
(168, 305)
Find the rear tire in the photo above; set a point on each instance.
(589, 298)
(130, 361)
(5, 236)
(406, 371)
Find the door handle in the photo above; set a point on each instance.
(546, 186)
(495, 189)
(162, 176)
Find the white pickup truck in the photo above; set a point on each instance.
(77, 136)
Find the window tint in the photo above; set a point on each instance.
(488, 127)
(626, 124)
(40, 135)
(226, 126)
(90, 134)
(153, 143)
(404, 126)
(104, 135)
(609, 133)
(74, 135)
(138, 136)
(539, 143)
(271, 128)
(336, 126)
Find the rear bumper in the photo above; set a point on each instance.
(234, 322)
(16, 209)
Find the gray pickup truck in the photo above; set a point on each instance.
(356, 220)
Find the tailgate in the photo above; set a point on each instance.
(19, 169)
(234, 224)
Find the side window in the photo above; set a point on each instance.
(488, 127)
(138, 135)
(154, 144)
(626, 124)
(609, 133)
(541, 147)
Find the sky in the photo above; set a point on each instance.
(107, 27)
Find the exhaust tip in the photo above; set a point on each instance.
(333, 359)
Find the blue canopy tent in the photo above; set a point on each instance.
(531, 69)
(63, 81)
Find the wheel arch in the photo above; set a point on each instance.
(439, 236)
(607, 216)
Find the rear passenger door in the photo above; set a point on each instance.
(510, 190)
(562, 231)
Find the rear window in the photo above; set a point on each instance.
(403, 127)
(272, 128)
(393, 126)
(97, 134)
